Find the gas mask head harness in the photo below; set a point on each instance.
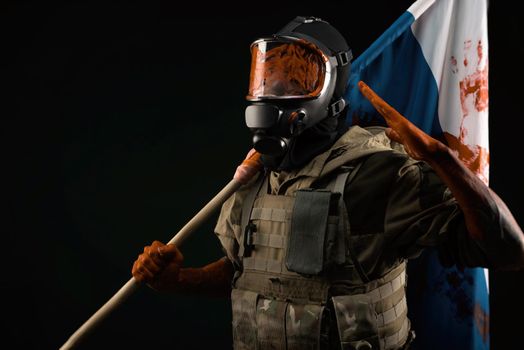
(298, 77)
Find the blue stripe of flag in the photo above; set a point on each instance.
(444, 303)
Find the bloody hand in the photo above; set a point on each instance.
(249, 167)
(158, 266)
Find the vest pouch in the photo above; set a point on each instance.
(303, 326)
(306, 251)
(268, 323)
(244, 305)
(356, 322)
(271, 324)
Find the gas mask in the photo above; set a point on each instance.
(293, 84)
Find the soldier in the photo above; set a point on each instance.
(316, 245)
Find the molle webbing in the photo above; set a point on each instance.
(389, 300)
(317, 241)
(384, 287)
(298, 289)
(247, 206)
(398, 339)
(379, 308)
(268, 240)
(262, 240)
(270, 214)
(266, 234)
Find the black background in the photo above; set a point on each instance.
(122, 119)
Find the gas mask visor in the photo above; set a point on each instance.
(286, 68)
(287, 74)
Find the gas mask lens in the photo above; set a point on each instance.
(285, 69)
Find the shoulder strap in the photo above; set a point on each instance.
(341, 182)
(343, 179)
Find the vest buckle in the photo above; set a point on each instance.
(248, 238)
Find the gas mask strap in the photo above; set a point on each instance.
(336, 107)
(344, 57)
(299, 20)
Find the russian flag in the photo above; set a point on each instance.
(432, 66)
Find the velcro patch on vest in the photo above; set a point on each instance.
(305, 253)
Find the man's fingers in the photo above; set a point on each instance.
(389, 113)
(171, 252)
(152, 252)
(366, 91)
(150, 263)
(135, 273)
(163, 253)
(141, 273)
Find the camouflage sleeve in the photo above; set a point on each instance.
(422, 212)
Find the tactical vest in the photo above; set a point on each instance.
(299, 273)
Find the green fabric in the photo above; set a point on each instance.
(305, 250)
(395, 208)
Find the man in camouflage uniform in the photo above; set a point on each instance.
(316, 245)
